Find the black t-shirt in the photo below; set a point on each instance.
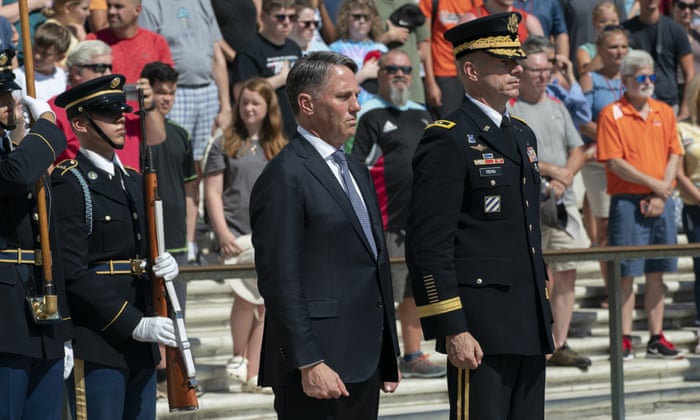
(385, 140)
(261, 58)
(237, 20)
(666, 51)
(174, 165)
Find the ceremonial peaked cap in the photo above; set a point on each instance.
(495, 34)
(7, 77)
(101, 95)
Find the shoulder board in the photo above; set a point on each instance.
(446, 124)
(130, 169)
(66, 165)
(519, 119)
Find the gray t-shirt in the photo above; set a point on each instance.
(555, 132)
(191, 30)
(239, 176)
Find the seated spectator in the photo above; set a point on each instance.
(51, 41)
(604, 14)
(358, 26)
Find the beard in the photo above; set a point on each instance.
(398, 95)
(645, 91)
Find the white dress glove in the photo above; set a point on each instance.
(166, 267)
(155, 329)
(67, 359)
(36, 107)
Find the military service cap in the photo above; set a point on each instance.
(495, 34)
(101, 95)
(7, 77)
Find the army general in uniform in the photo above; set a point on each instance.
(473, 237)
(100, 213)
(31, 343)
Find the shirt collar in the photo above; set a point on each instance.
(322, 147)
(493, 115)
(103, 163)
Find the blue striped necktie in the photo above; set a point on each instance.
(355, 200)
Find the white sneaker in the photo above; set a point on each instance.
(252, 386)
(237, 369)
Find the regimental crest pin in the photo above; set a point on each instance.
(492, 204)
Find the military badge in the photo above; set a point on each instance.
(531, 154)
(492, 204)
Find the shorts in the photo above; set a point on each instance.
(553, 238)
(399, 276)
(627, 226)
(593, 174)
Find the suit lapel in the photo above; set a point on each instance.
(320, 170)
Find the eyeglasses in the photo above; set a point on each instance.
(307, 23)
(686, 6)
(539, 72)
(97, 68)
(643, 77)
(360, 16)
(611, 28)
(392, 69)
(282, 17)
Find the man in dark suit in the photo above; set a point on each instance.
(100, 216)
(473, 239)
(31, 346)
(330, 342)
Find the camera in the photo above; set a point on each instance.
(131, 92)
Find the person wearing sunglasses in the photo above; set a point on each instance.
(685, 13)
(667, 41)
(270, 54)
(388, 131)
(89, 60)
(638, 143)
(306, 29)
(358, 26)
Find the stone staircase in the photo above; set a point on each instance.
(653, 388)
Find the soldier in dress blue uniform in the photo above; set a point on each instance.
(473, 238)
(31, 349)
(100, 214)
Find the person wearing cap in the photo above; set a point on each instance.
(473, 235)
(31, 353)
(561, 158)
(100, 217)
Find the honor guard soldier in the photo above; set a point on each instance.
(31, 340)
(473, 237)
(100, 214)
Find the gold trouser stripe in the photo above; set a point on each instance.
(80, 391)
(462, 394)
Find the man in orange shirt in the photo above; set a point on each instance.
(443, 90)
(638, 141)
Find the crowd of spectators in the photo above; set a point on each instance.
(216, 47)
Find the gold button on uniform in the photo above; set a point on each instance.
(524, 180)
(135, 216)
(492, 182)
(108, 218)
(533, 250)
(479, 281)
(529, 227)
(527, 203)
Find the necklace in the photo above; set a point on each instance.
(253, 144)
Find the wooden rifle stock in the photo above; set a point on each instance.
(44, 308)
(182, 395)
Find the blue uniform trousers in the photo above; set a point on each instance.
(30, 388)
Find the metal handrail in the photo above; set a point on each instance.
(611, 254)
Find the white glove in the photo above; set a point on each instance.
(36, 107)
(166, 267)
(67, 359)
(155, 329)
